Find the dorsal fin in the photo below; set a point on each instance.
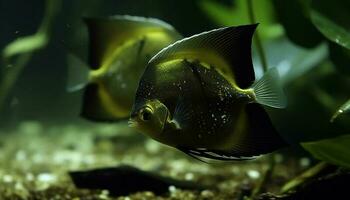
(227, 49)
(105, 34)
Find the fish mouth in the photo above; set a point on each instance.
(132, 123)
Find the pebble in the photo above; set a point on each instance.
(253, 174)
(46, 177)
(207, 194)
(172, 189)
(7, 178)
(189, 176)
(304, 162)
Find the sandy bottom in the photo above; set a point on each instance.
(35, 159)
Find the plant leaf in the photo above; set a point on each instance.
(220, 14)
(330, 30)
(303, 32)
(345, 108)
(335, 150)
(238, 14)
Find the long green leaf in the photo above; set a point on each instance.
(345, 108)
(238, 14)
(335, 151)
(330, 30)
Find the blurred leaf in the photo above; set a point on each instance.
(219, 13)
(337, 11)
(335, 151)
(294, 17)
(332, 20)
(25, 45)
(330, 30)
(319, 20)
(238, 14)
(345, 108)
(291, 61)
(340, 56)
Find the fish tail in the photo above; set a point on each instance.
(78, 73)
(268, 90)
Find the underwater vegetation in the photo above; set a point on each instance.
(241, 99)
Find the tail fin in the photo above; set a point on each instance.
(78, 73)
(268, 90)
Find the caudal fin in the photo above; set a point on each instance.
(78, 73)
(268, 90)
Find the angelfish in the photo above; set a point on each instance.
(120, 48)
(200, 96)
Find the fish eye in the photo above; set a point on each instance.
(145, 114)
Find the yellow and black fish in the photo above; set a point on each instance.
(199, 96)
(120, 48)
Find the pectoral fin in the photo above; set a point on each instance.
(182, 115)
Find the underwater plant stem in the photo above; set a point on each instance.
(323, 97)
(266, 177)
(257, 40)
(9, 80)
(22, 49)
(302, 178)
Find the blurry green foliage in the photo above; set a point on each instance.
(330, 19)
(25, 45)
(335, 150)
(316, 21)
(308, 24)
(345, 108)
(330, 30)
(19, 52)
(294, 18)
(237, 14)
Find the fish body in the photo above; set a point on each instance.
(120, 48)
(199, 96)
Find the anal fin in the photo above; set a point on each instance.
(93, 107)
(261, 137)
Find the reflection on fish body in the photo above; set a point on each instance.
(120, 48)
(199, 95)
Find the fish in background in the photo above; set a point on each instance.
(119, 50)
(200, 96)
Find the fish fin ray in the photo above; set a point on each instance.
(202, 153)
(78, 73)
(268, 90)
(232, 44)
(182, 113)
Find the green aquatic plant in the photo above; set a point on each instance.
(330, 27)
(332, 38)
(335, 150)
(345, 108)
(322, 22)
(238, 14)
(18, 53)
